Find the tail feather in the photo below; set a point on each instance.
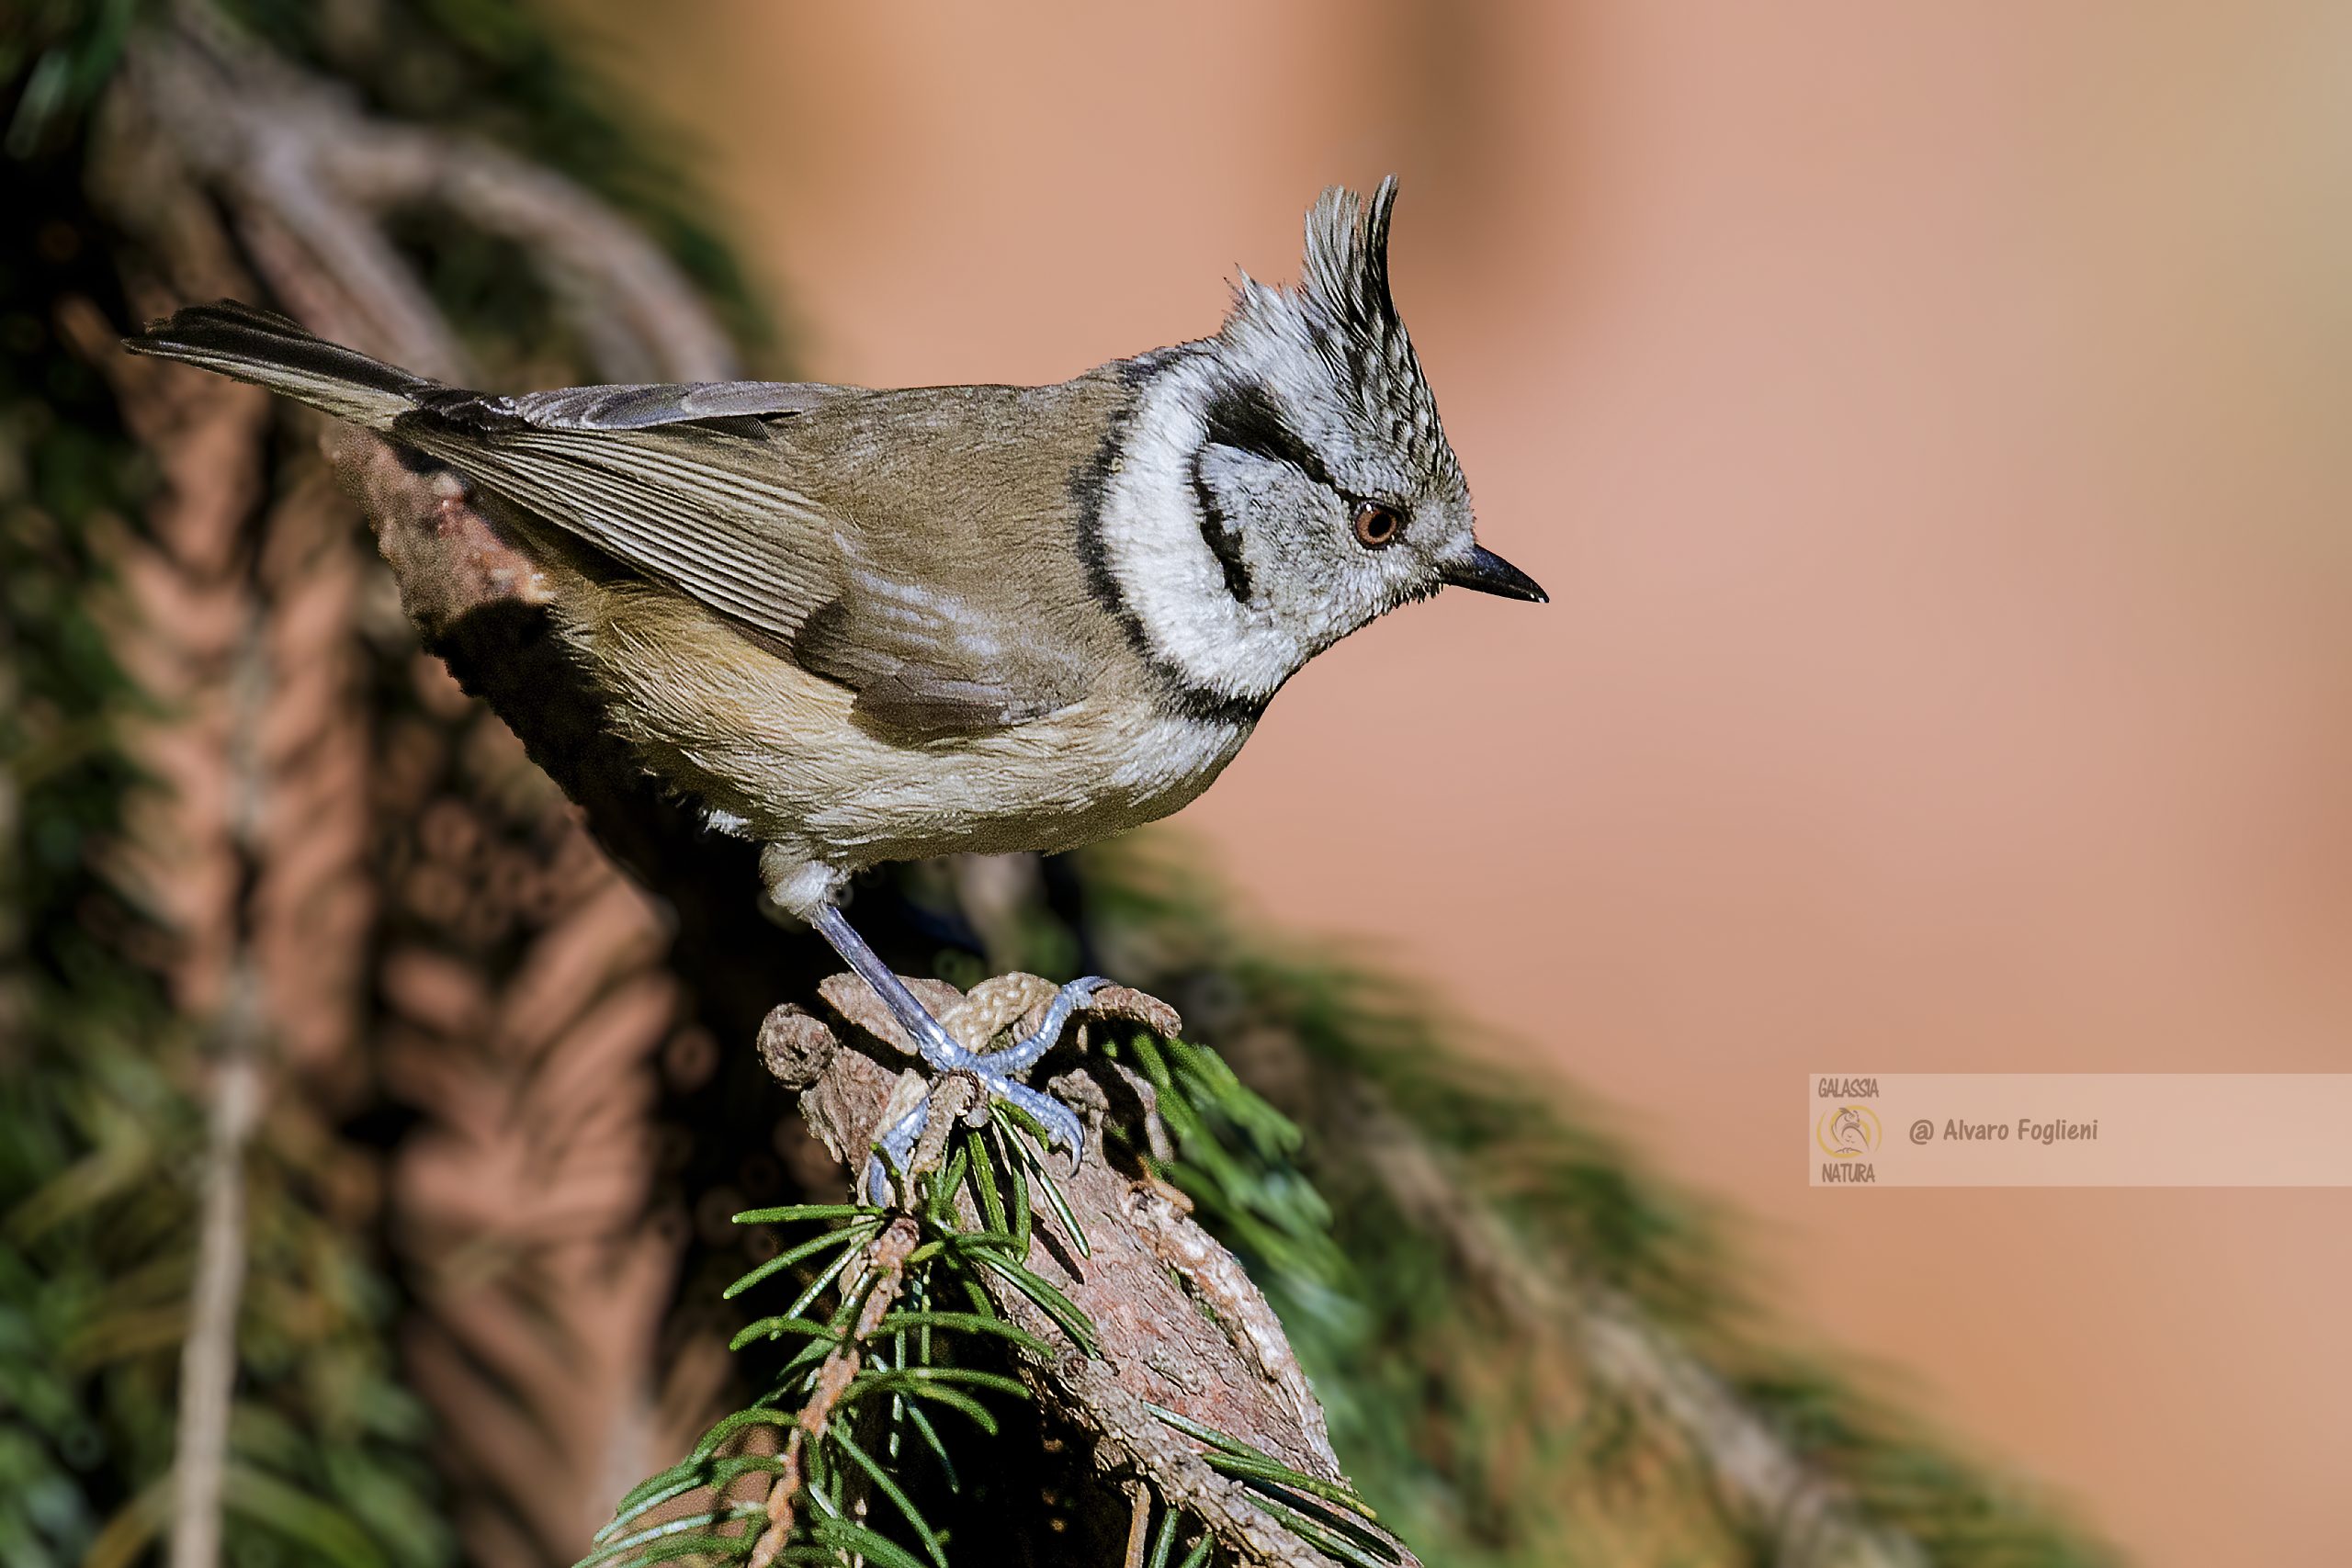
(271, 351)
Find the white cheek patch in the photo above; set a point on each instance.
(1165, 571)
(1252, 485)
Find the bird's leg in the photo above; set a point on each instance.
(940, 1052)
(937, 1046)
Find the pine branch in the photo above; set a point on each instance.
(884, 1263)
(1164, 1344)
(312, 903)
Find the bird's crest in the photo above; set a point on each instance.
(1344, 310)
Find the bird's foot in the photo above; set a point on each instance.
(998, 1073)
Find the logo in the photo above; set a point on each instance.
(1847, 1132)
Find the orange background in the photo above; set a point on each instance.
(1929, 421)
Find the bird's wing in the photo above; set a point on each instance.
(714, 489)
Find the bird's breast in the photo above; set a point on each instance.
(1069, 778)
(765, 742)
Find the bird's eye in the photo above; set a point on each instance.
(1377, 527)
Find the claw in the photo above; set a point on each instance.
(1060, 1122)
(894, 1149)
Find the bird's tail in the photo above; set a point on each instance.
(270, 351)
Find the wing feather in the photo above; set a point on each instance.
(694, 485)
(645, 407)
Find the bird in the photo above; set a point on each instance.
(867, 626)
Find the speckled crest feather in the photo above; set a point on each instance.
(1349, 321)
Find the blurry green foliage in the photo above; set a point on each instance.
(56, 56)
(66, 992)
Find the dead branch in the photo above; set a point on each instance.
(309, 168)
(209, 1359)
(236, 121)
(1179, 1326)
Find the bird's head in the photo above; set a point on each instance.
(1322, 456)
(1301, 485)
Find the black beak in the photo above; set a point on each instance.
(1489, 573)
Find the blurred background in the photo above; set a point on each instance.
(1927, 422)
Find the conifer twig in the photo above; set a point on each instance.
(886, 1261)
